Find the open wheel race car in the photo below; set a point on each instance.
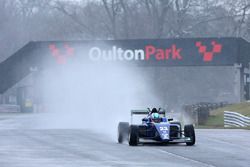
(159, 129)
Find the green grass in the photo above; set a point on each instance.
(243, 108)
(215, 121)
(216, 118)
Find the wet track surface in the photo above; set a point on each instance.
(77, 148)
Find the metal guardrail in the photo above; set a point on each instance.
(234, 119)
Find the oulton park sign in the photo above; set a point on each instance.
(148, 53)
(142, 52)
(164, 52)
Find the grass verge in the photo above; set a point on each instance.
(216, 118)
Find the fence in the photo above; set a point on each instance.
(234, 119)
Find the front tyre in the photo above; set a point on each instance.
(133, 136)
(123, 130)
(189, 132)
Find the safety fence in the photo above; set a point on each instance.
(234, 119)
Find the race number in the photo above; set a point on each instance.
(163, 128)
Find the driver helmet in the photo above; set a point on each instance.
(155, 115)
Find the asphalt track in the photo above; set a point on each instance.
(23, 147)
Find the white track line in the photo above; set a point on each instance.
(185, 158)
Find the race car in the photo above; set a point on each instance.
(158, 129)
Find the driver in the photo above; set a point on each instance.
(155, 117)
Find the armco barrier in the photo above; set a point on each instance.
(234, 119)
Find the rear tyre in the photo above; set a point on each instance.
(189, 132)
(133, 136)
(123, 130)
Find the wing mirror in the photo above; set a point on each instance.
(170, 119)
(145, 119)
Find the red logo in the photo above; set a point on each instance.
(208, 56)
(60, 57)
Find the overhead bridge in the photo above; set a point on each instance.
(140, 52)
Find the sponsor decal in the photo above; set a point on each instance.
(165, 136)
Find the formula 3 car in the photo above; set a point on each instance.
(163, 130)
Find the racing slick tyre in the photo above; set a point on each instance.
(123, 130)
(189, 132)
(133, 136)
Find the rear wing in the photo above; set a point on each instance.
(145, 112)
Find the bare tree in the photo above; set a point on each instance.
(112, 8)
(72, 14)
(24, 20)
